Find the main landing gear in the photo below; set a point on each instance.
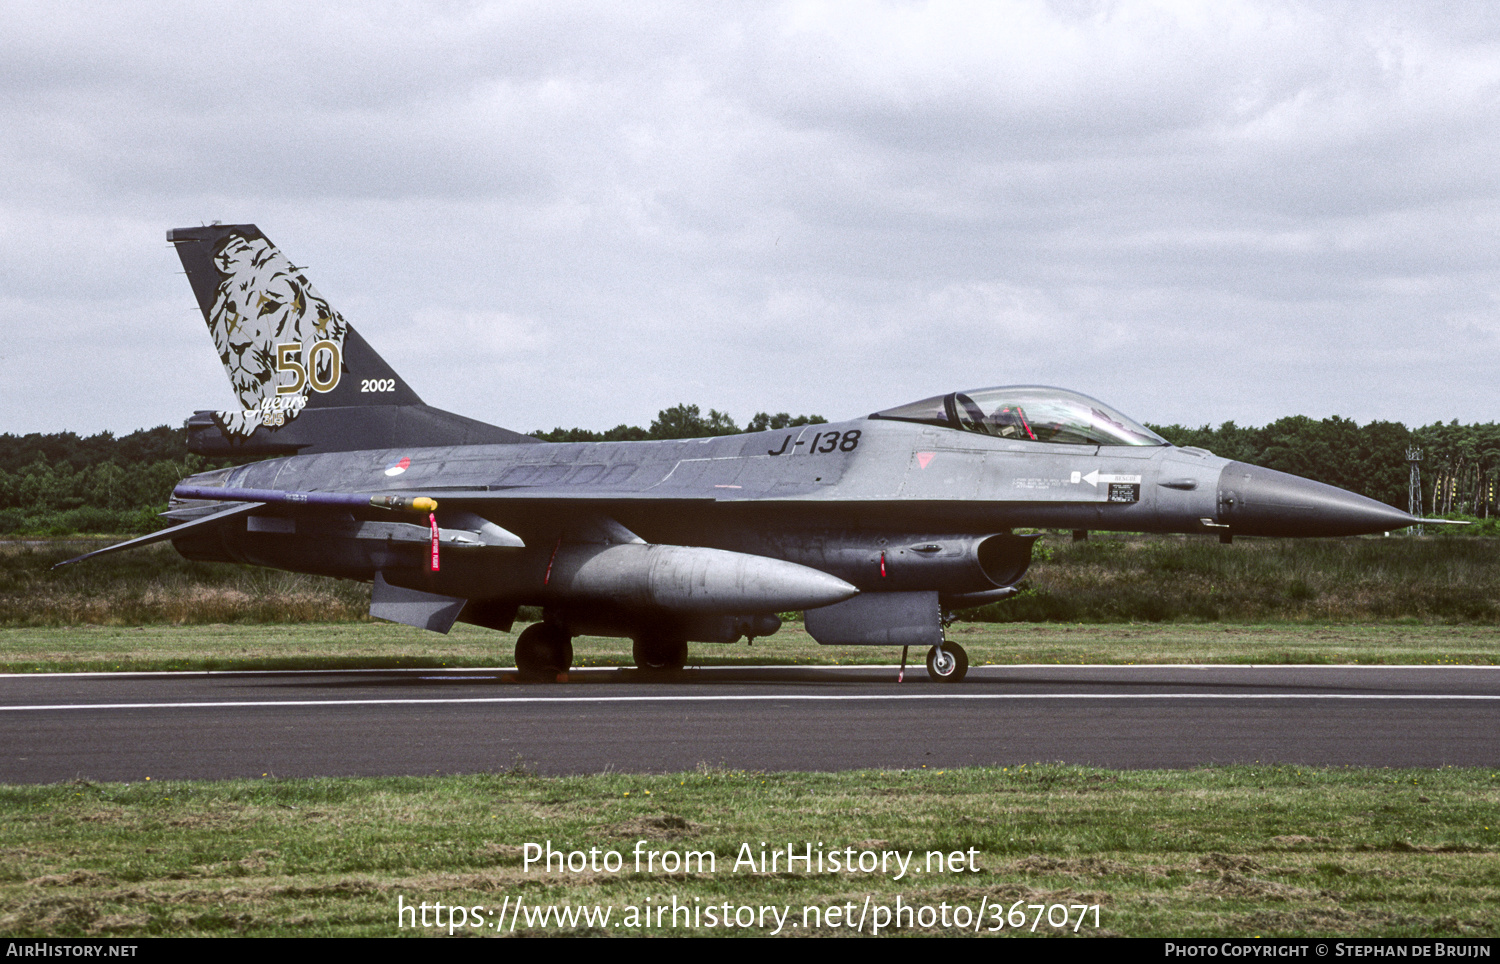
(543, 651)
(659, 653)
(947, 664)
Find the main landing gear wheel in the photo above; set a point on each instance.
(656, 653)
(543, 651)
(949, 664)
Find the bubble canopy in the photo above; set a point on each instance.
(1028, 413)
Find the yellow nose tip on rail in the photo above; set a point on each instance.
(421, 503)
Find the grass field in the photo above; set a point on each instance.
(1118, 579)
(1237, 851)
(1111, 600)
(385, 645)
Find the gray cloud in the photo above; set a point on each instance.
(580, 213)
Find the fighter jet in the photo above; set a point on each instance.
(879, 529)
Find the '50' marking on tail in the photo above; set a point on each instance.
(323, 374)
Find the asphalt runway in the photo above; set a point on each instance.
(126, 727)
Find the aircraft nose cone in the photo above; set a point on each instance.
(1263, 502)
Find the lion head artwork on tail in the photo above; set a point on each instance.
(277, 337)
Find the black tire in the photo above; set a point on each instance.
(658, 653)
(954, 666)
(543, 651)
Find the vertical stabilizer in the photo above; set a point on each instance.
(287, 351)
(283, 345)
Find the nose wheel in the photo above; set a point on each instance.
(948, 663)
(543, 651)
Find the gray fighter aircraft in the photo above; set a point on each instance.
(879, 528)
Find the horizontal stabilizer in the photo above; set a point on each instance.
(233, 512)
(412, 607)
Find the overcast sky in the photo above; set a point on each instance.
(578, 214)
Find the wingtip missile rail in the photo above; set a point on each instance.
(418, 503)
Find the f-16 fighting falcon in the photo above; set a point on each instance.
(878, 528)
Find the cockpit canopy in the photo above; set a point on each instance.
(1028, 413)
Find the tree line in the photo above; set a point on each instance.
(64, 483)
(1459, 466)
(681, 421)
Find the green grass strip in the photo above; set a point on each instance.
(385, 646)
(1224, 851)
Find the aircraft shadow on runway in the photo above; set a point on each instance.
(980, 680)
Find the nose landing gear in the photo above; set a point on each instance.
(947, 663)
